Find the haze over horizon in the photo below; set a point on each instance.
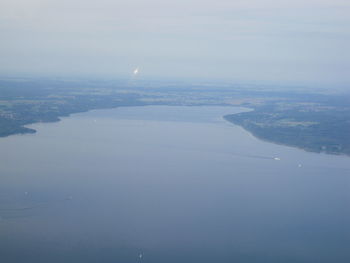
(284, 41)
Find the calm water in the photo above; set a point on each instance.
(168, 184)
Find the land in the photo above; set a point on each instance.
(25, 101)
(316, 121)
(320, 123)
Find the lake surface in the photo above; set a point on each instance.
(168, 184)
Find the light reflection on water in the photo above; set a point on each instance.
(173, 184)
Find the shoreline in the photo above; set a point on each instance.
(24, 129)
(27, 129)
(255, 135)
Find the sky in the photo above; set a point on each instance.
(252, 40)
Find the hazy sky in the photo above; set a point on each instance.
(275, 40)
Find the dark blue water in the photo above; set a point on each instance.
(168, 184)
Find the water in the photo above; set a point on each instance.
(168, 184)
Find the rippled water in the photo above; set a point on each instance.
(168, 184)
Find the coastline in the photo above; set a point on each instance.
(265, 139)
(22, 129)
(28, 129)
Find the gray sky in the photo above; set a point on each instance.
(251, 40)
